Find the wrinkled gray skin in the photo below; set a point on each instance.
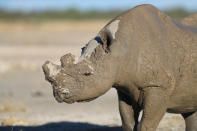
(147, 56)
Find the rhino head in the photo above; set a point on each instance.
(84, 79)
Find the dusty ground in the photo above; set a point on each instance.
(26, 100)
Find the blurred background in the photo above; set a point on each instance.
(33, 31)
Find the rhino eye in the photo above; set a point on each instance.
(87, 73)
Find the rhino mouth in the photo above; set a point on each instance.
(62, 95)
(61, 100)
(70, 101)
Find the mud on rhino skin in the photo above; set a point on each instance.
(150, 58)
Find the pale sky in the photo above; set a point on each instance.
(36, 5)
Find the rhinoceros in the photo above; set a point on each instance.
(148, 57)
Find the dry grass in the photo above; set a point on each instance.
(55, 26)
(14, 106)
(48, 33)
(13, 121)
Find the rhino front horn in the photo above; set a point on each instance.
(50, 70)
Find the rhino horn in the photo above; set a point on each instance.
(86, 67)
(67, 60)
(50, 70)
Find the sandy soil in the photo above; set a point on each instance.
(26, 100)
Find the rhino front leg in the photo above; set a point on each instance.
(190, 121)
(129, 112)
(155, 105)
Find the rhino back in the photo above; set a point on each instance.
(155, 48)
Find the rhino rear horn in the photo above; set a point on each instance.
(67, 60)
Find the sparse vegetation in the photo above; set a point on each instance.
(74, 14)
(178, 13)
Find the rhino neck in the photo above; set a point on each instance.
(99, 82)
(125, 81)
(125, 60)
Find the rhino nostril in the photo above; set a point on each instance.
(65, 92)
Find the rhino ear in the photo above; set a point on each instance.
(106, 39)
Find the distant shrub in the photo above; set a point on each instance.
(57, 15)
(178, 13)
(74, 14)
